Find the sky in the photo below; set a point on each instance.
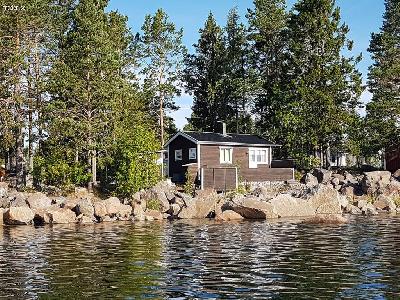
(362, 16)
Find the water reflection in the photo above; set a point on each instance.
(202, 259)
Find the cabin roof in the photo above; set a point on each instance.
(220, 139)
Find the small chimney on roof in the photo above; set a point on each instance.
(223, 128)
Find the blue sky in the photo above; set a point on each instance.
(362, 16)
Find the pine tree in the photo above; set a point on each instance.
(204, 75)
(85, 81)
(324, 85)
(268, 36)
(25, 34)
(383, 112)
(162, 54)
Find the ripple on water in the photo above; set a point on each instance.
(203, 259)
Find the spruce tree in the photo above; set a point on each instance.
(383, 112)
(268, 37)
(204, 77)
(324, 85)
(237, 81)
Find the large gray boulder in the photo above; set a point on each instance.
(285, 205)
(352, 209)
(18, 216)
(114, 207)
(383, 202)
(252, 208)
(84, 207)
(323, 176)
(4, 203)
(1, 216)
(228, 215)
(38, 201)
(100, 209)
(396, 175)
(326, 200)
(157, 195)
(373, 181)
(198, 208)
(61, 216)
(309, 180)
(335, 219)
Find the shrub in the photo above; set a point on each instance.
(153, 204)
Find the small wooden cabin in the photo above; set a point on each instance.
(220, 161)
(392, 157)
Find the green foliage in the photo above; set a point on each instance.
(134, 158)
(383, 112)
(153, 204)
(189, 187)
(298, 175)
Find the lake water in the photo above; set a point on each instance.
(203, 259)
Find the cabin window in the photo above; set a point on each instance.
(192, 153)
(225, 155)
(178, 154)
(257, 156)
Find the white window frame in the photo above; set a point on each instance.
(222, 159)
(177, 158)
(192, 153)
(253, 164)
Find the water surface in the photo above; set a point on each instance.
(203, 259)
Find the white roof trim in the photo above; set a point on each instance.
(180, 133)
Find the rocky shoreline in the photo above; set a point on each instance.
(320, 197)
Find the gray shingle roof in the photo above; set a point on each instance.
(211, 137)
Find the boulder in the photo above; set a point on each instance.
(369, 209)
(335, 182)
(3, 189)
(228, 215)
(198, 208)
(82, 219)
(327, 219)
(287, 206)
(309, 180)
(84, 207)
(124, 211)
(155, 214)
(148, 218)
(70, 202)
(323, 176)
(38, 201)
(100, 209)
(4, 203)
(396, 175)
(253, 208)
(343, 201)
(18, 199)
(325, 200)
(347, 191)
(18, 216)
(138, 212)
(1, 216)
(361, 203)
(157, 195)
(61, 216)
(392, 189)
(112, 205)
(341, 179)
(263, 192)
(384, 203)
(373, 181)
(352, 209)
(174, 209)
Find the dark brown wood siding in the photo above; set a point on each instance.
(209, 158)
(176, 170)
(220, 179)
(393, 159)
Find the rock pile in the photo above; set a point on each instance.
(323, 196)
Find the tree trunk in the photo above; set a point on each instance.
(19, 143)
(162, 118)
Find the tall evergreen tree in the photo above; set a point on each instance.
(204, 75)
(383, 112)
(324, 85)
(162, 55)
(237, 81)
(268, 36)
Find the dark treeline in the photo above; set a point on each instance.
(84, 99)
